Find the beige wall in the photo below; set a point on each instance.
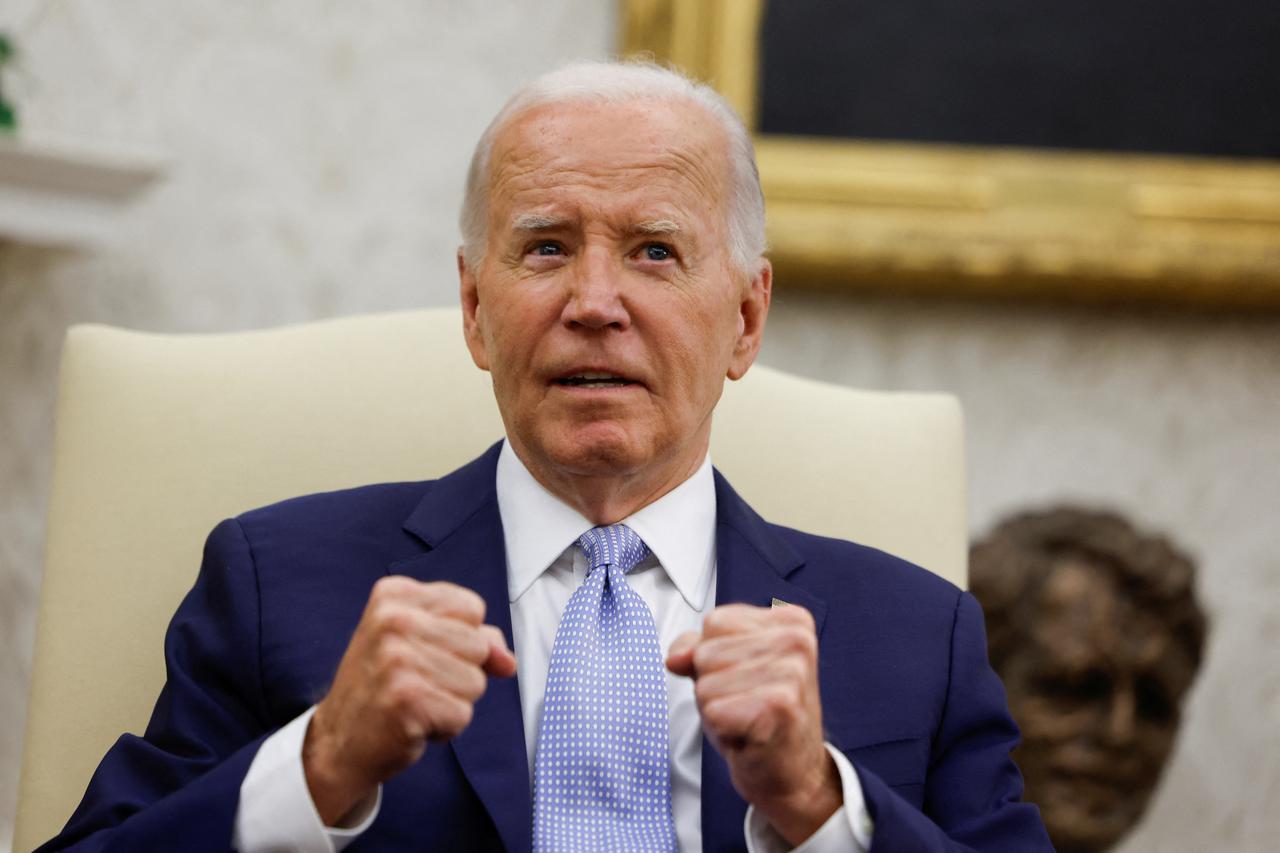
(317, 158)
(1172, 420)
(318, 151)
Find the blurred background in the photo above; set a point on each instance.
(299, 160)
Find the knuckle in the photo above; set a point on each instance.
(394, 655)
(401, 697)
(797, 671)
(724, 619)
(410, 729)
(463, 602)
(703, 692)
(798, 615)
(474, 603)
(381, 588)
(475, 683)
(453, 717)
(724, 717)
(777, 699)
(715, 621)
(407, 718)
(395, 619)
(788, 699)
(479, 640)
(704, 657)
(379, 610)
(390, 587)
(713, 714)
(798, 639)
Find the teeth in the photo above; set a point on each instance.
(594, 380)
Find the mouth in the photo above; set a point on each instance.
(593, 379)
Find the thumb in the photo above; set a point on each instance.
(501, 663)
(680, 655)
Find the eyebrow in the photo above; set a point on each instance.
(656, 227)
(537, 222)
(543, 222)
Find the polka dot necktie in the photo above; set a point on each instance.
(601, 775)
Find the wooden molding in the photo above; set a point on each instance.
(985, 221)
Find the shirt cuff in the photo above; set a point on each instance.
(276, 814)
(849, 829)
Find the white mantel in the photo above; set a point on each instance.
(61, 192)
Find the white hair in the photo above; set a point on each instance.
(622, 82)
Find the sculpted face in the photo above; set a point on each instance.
(607, 306)
(1096, 691)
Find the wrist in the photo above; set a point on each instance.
(803, 812)
(336, 790)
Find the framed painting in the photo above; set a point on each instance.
(1089, 152)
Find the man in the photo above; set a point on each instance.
(342, 671)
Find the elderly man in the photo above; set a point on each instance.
(342, 672)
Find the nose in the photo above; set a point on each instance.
(1120, 721)
(595, 297)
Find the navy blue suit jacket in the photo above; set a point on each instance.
(907, 692)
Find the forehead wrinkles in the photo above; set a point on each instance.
(674, 177)
(626, 202)
(639, 158)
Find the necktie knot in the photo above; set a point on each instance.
(615, 545)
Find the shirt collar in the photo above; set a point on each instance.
(537, 527)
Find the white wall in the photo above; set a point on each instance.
(318, 150)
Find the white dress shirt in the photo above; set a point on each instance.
(544, 568)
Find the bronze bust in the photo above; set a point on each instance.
(1095, 629)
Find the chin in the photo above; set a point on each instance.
(596, 450)
(599, 459)
(1072, 837)
(1089, 822)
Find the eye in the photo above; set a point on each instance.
(546, 249)
(1074, 688)
(1154, 701)
(656, 252)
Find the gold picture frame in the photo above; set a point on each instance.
(965, 220)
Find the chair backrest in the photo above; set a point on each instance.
(158, 437)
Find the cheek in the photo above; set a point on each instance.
(700, 369)
(705, 345)
(1155, 741)
(1047, 721)
(515, 331)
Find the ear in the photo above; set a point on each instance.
(472, 329)
(752, 312)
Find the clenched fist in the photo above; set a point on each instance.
(755, 674)
(417, 663)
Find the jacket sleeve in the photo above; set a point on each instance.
(177, 787)
(973, 788)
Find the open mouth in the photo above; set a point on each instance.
(594, 380)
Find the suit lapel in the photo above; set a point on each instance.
(753, 565)
(459, 521)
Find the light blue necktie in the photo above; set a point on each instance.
(601, 776)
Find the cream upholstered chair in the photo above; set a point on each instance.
(161, 436)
